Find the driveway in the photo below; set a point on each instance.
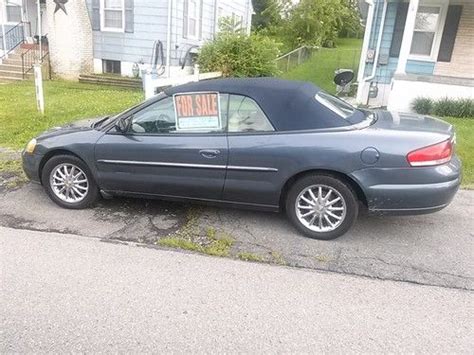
(434, 249)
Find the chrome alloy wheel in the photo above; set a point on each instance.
(69, 183)
(320, 208)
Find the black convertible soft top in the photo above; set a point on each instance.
(290, 105)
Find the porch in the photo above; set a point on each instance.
(19, 23)
(19, 48)
(419, 48)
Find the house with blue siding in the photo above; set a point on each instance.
(131, 32)
(416, 48)
(118, 36)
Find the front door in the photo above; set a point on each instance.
(167, 152)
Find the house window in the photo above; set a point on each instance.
(193, 20)
(112, 15)
(13, 11)
(427, 32)
(111, 66)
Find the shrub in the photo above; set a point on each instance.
(422, 105)
(239, 55)
(444, 107)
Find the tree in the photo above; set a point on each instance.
(267, 13)
(315, 22)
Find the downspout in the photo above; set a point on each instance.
(214, 29)
(365, 47)
(379, 42)
(168, 39)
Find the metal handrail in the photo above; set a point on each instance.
(14, 37)
(31, 56)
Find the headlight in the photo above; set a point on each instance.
(30, 147)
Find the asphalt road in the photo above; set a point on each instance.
(436, 249)
(66, 293)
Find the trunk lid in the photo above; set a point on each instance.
(408, 122)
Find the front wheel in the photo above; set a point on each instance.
(322, 206)
(69, 182)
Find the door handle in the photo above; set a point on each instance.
(209, 153)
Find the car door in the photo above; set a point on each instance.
(156, 156)
(254, 171)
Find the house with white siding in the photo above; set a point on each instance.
(416, 48)
(117, 36)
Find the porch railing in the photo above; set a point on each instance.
(32, 56)
(13, 37)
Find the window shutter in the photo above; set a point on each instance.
(95, 15)
(129, 16)
(449, 33)
(398, 30)
(200, 19)
(185, 19)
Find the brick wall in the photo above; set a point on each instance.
(462, 60)
(70, 39)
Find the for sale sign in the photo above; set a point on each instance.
(197, 111)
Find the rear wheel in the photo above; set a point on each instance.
(322, 206)
(69, 182)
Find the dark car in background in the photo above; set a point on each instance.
(263, 143)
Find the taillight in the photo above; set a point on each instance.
(435, 154)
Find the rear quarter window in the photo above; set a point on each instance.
(340, 107)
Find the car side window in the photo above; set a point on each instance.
(159, 117)
(246, 116)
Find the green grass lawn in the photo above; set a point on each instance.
(465, 147)
(65, 101)
(320, 68)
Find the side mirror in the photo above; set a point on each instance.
(122, 125)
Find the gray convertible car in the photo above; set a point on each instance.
(262, 143)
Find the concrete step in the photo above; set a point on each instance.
(119, 85)
(14, 56)
(10, 67)
(12, 61)
(7, 79)
(12, 74)
(111, 81)
(112, 78)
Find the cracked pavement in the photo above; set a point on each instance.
(434, 249)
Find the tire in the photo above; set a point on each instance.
(86, 192)
(341, 202)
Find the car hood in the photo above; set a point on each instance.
(76, 126)
(411, 122)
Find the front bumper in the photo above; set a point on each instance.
(31, 166)
(408, 191)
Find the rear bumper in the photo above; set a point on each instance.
(409, 191)
(31, 165)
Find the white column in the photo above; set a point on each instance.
(3, 20)
(40, 44)
(407, 36)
